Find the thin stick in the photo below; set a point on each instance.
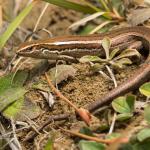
(58, 93)
(112, 75)
(47, 122)
(39, 19)
(106, 141)
(16, 141)
(113, 123)
(83, 113)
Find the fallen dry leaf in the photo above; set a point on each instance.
(139, 16)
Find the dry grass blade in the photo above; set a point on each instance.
(101, 26)
(86, 19)
(1, 20)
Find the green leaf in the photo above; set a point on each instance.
(9, 81)
(89, 58)
(142, 146)
(106, 43)
(71, 5)
(89, 145)
(113, 53)
(122, 62)
(86, 131)
(10, 92)
(127, 146)
(143, 135)
(124, 116)
(113, 135)
(147, 113)
(124, 104)
(12, 27)
(128, 53)
(14, 108)
(87, 29)
(97, 67)
(145, 89)
(12, 102)
(10, 96)
(49, 145)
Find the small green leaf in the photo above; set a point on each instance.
(128, 53)
(12, 97)
(11, 92)
(141, 146)
(9, 96)
(21, 107)
(14, 108)
(122, 62)
(87, 29)
(89, 58)
(124, 104)
(103, 127)
(147, 113)
(113, 135)
(97, 67)
(89, 145)
(106, 43)
(8, 81)
(126, 146)
(143, 135)
(124, 116)
(145, 89)
(114, 53)
(86, 131)
(49, 145)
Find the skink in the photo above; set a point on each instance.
(71, 47)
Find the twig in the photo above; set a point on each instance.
(112, 75)
(9, 140)
(59, 94)
(40, 17)
(112, 124)
(106, 141)
(47, 122)
(32, 124)
(83, 113)
(16, 142)
(102, 73)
